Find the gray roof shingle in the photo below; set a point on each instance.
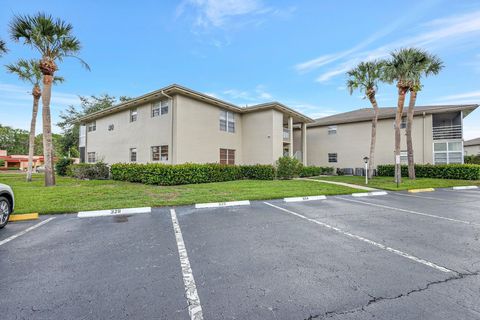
(473, 142)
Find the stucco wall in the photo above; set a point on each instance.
(472, 150)
(114, 146)
(198, 137)
(257, 137)
(352, 143)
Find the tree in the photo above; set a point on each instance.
(399, 69)
(69, 117)
(29, 71)
(15, 141)
(365, 77)
(3, 47)
(54, 40)
(423, 64)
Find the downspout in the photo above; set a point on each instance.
(171, 144)
(423, 158)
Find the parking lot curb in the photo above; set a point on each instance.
(421, 190)
(113, 212)
(222, 204)
(308, 198)
(23, 217)
(465, 187)
(369, 194)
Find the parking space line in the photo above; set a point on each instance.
(411, 211)
(414, 196)
(194, 306)
(376, 244)
(26, 230)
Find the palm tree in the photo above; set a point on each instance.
(3, 47)
(424, 64)
(29, 71)
(399, 68)
(365, 77)
(54, 40)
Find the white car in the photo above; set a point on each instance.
(7, 204)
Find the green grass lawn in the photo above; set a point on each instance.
(72, 195)
(388, 183)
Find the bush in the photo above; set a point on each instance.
(62, 165)
(2, 162)
(340, 172)
(443, 171)
(311, 171)
(472, 159)
(90, 171)
(258, 172)
(288, 168)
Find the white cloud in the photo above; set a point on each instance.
(471, 96)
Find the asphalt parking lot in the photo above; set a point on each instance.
(396, 256)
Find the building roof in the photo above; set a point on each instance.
(178, 89)
(473, 142)
(366, 114)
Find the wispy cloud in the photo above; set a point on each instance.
(257, 95)
(466, 96)
(433, 35)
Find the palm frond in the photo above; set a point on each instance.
(365, 76)
(26, 70)
(3, 47)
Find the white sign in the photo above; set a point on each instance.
(397, 159)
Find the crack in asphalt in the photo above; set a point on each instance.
(374, 299)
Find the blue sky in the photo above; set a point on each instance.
(251, 51)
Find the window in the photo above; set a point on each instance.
(332, 157)
(448, 152)
(133, 115)
(403, 124)
(111, 127)
(164, 108)
(332, 130)
(227, 121)
(92, 126)
(403, 157)
(91, 157)
(155, 109)
(227, 156)
(133, 154)
(160, 153)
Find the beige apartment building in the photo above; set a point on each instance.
(177, 125)
(472, 147)
(343, 140)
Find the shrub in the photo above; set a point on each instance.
(2, 162)
(62, 165)
(472, 159)
(288, 168)
(258, 172)
(340, 172)
(90, 171)
(311, 171)
(443, 171)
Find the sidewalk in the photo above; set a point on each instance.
(341, 184)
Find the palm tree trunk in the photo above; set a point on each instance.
(371, 164)
(398, 121)
(410, 112)
(31, 139)
(47, 130)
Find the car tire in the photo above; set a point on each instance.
(5, 211)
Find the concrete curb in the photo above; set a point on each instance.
(370, 194)
(222, 204)
(465, 187)
(113, 212)
(23, 217)
(308, 198)
(421, 190)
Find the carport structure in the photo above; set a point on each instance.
(397, 256)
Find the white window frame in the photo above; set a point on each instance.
(133, 115)
(92, 126)
(91, 160)
(162, 153)
(229, 118)
(331, 156)
(133, 150)
(332, 130)
(164, 106)
(448, 152)
(155, 109)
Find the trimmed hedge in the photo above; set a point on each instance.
(443, 171)
(89, 171)
(311, 171)
(61, 166)
(189, 173)
(288, 168)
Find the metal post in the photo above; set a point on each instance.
(366, 172)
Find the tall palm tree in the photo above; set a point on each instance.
(3, 47)
(399, 69)
(29, 71)
(54, 40)
(423, 64)
(365, 77)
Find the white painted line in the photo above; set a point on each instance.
(35, 226)
(369, 194)
(113, 212)
(194, 306)
(465, 187)
(222, 204)
(415, 196)
(411, 211)
(376, 244)
(309, 198)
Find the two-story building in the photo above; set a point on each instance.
(472, 147)
(177, 125)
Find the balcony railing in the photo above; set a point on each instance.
(286, 135)
(447, 132)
